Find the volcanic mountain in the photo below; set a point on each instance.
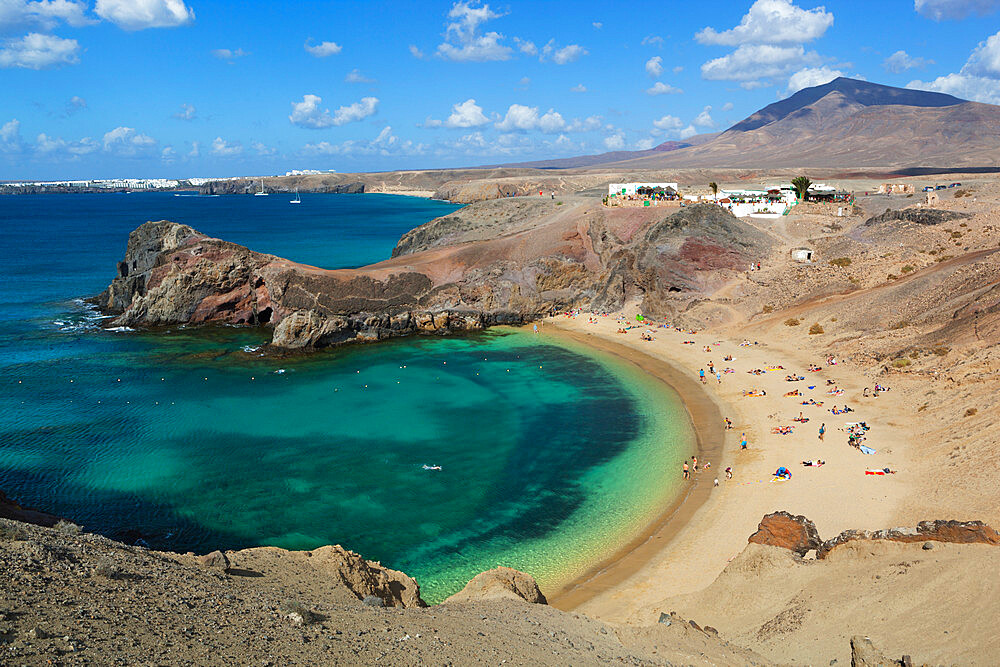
(847, 123)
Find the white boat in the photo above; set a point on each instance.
(297, 200)
(261, 193)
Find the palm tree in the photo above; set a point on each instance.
(714, 187)
(801, 185)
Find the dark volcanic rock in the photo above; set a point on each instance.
(920, 216)
(11, 510)
(781, 529)
(250, 186)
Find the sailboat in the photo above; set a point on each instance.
(297, 200)
(261, 193)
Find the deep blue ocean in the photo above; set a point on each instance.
(188, 439)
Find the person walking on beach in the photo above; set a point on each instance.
(729, 424)
(822, 431)
(694, 460)
(743, 441)
(729, 472)
(687, 475)
(701, 374)
(718, 376)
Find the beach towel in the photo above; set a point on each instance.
(866, 450)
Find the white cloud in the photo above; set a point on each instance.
(463, 40)
(752, 62)
(77, 102)
(526, 47)
(678, 69)
(811, 76)
(263, 149)
(615, 142)
(307, 113)
(985, 59)
(168, 154)
(645, 144)
(355, 76)
(653, 40)
(523, 118)
(38, 51)
(597, 25)
(466, 114)
(654, 66)
(187, 112)
(524, 82)
(772, 22)
(223, 148)
(142, 14)
(126, 142)
(10, 137)
(385, 143)
(940, 10)
(16, 15)
(900, 61)
(567, 54)
(704, 119)
(323, 49)
(229, 54)
(668, 123)
(979, 78)
(71, 149)
(728, 106)
(687, 132)
(578, 88)
(660, 88)
(195, 149)
(415, 52)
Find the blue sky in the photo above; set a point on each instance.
(179, 88)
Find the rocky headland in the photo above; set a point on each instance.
(505, 261)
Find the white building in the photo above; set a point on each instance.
(628, 189)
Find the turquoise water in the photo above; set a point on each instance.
(189, 439)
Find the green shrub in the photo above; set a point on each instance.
(815, 329)
(842, 262)
(11, 532)
(768, 308)
(902, 362)
(902, 324)
(907, 269)
(893, 276)
(107, 569)
(296, 608)
(791, 322)
(68, 528)
(941, 351)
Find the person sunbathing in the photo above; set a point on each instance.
(794, 393)
(781, 430)
(813, 368)
(813, 464)
(755, 392)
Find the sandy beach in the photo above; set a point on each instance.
(694, 539)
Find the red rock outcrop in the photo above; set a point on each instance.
(502, 583)
(793, 532)
(496, 262)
